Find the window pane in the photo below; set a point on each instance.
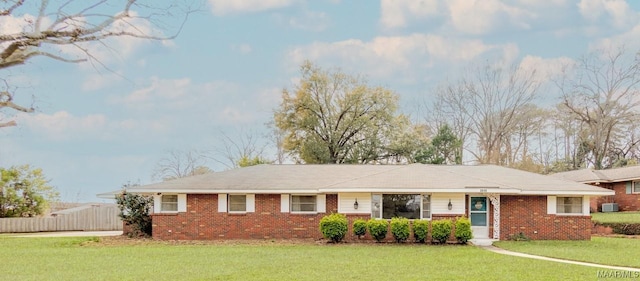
(169, 203)
(478, 204)
(426, 206)
(237, 203)
(479, 219)
(569, 205)
(303, 203)
(401, 205)
(376, 202)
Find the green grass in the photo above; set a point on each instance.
(602, 250)
(74, 259)
(620, 217)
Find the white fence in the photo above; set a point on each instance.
(88, 218)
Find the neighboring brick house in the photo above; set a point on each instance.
(625, 182)
(288, 201)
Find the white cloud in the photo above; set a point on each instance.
(484, 16)
(395, 55)
(310, 21)
(225, 7)
(546, 69)
(628, 40)
(396, 13)
(242, 48)
(62, 125)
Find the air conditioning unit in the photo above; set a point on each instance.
(609, 207)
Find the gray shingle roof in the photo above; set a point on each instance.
(601, 176)
(372, 178)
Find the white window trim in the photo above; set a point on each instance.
(229, 204)
(582, 212)
(181, 204)
(303, 212)
(421, 205)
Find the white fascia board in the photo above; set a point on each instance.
(424, 190)
(565, 192)
(216, 191)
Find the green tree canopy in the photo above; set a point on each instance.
(333, 117)
(445, 148)
(24, 192)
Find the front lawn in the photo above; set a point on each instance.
(603, 250)
(82, 259)
(616, 217)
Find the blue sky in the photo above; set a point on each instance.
(96, 129)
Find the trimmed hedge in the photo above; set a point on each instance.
(623, 228)
(420, 230)
(334, 227)
(441, 230)
(378, 229)
(360, 227)
(463, 230)
(400, 229)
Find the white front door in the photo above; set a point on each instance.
(479, 216)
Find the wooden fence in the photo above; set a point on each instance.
(91, 217)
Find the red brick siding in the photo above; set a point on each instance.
(626, 202)
(203, 221)
(528, 214)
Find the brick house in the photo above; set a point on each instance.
(288, 201)
(624, 182)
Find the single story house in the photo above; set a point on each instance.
(624, 182)
(288, 201)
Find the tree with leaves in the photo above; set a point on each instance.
(333, 117)
(445, 148)
(69, 31)
(135, 210)
(601, 93)
(24, 192)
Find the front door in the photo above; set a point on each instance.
(479, 215)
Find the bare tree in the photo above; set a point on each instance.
(603, 93)
(68, 31)
(484, 106)
(245, 148)
(180, 164)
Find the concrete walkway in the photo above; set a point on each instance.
(523, 255)
(69, 234)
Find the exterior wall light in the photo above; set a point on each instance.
(355, 205)
(449, 206)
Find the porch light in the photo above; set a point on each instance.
(355, 205)
(449, 206)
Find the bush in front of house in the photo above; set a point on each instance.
(441, 230)
(359, 227)
(400, 229)
(378, 229)
(334, 227)
(463, 230)
(420, 230)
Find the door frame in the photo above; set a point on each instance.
(480, 231)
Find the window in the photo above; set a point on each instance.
(169, 203)
(411, 206)
(237, 203)
(303, 203)
(569, 205)
(635, 187)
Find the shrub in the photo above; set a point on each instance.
(134, 212)
(519, 237)
(359, 227)
(420, 230)
(400, 229)
(334, 227)
(463, 230)
(378, 229)
(441, 230)
(623, 228)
